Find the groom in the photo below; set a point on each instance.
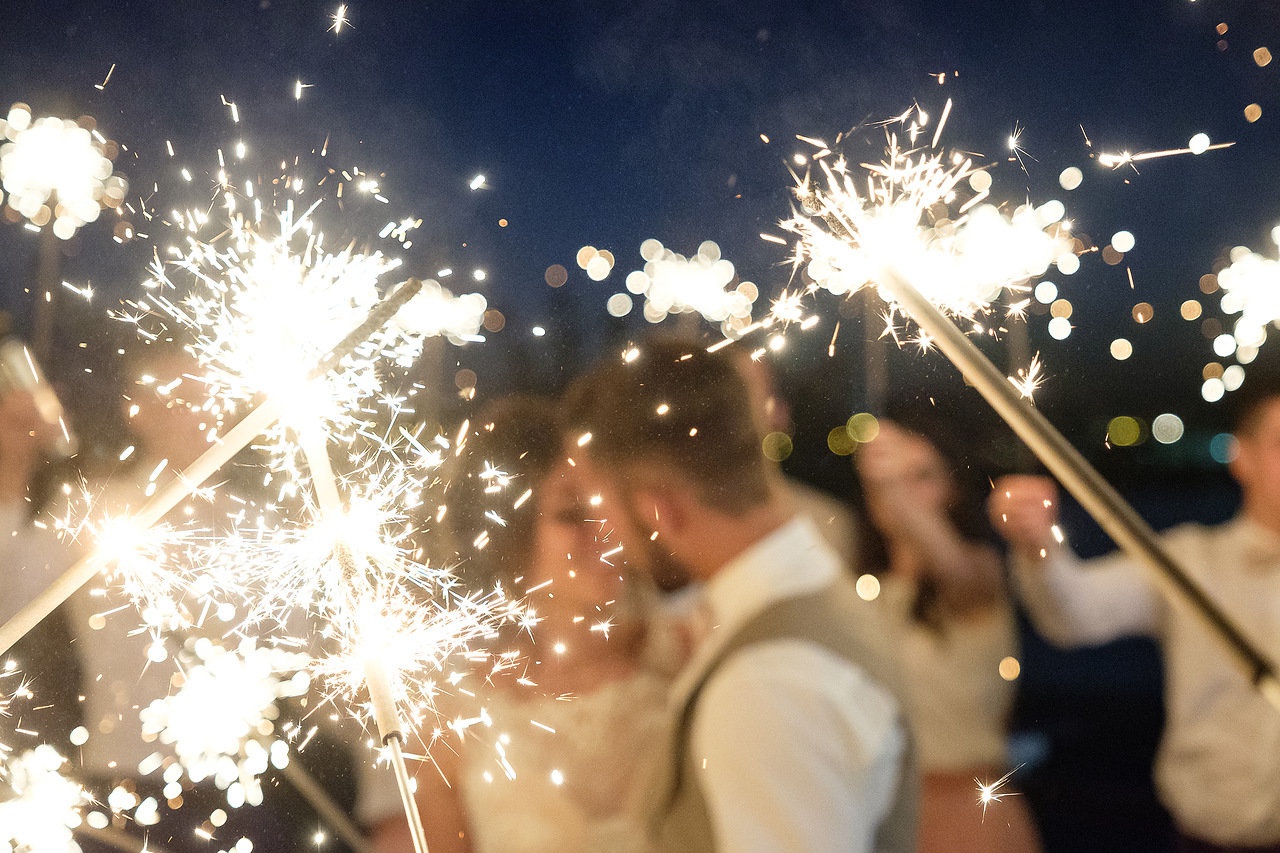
(786, 731)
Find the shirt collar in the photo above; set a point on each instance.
(791, 561)
(1261, 545)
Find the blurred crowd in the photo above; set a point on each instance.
(725, 659)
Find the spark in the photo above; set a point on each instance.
(40, 804)
(339, 19)
(1016, 150)
(704, 284)
(1124, 158)
(107, 79)
(1251, 287)
(990, 793)
(1029, 379)
(56, 172)
(218, 720)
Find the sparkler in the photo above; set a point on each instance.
(217, 719)
(56, 171)
(1251, 288)
(674, 284)
(911, 236)
(44, 807)
(1198, 144)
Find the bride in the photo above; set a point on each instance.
(557, 758)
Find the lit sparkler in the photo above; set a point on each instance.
(1198, 144)
(57, 173)
(910, 213)
(43, 806)
(221, 721)
(704, 283)
(1251, 288)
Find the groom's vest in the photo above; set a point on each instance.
(834, 619)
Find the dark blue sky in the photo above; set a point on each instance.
(606, 123)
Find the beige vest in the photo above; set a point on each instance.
(835, 619)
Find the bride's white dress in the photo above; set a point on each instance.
(563, 774)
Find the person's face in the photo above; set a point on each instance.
(1257, 463)
(629, 521)
(903, 472)
(570, 540)
(163, 407)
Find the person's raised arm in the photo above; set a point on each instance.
(1071, 603)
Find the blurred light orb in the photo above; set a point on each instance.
(1222, 448)
(868, 587)
(619, 305)
(1059, 328)
(1124, 431)
(599, 267)
(1233, 377)
(1122, 241)
(1010, 668)
(1167, 428)
(1071, 178)
(1213, 390)
(863, 427)
(1199, 143)
(840, 442)
(1224, 345)
(1121, 349)
(777, 446)
(1046, 292)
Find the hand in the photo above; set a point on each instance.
(22, 436)
(1024, 510)
(905, 481)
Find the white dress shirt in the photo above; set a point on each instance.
(801, 750)
(1218, 766)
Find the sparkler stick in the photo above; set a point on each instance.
(1094, 493)
(376, 675)
(336, 818)
(118, 840)
(177, 489)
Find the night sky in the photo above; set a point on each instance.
(607, 123)
(604, 124)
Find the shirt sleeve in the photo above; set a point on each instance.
(1075, 602)
(795, 749)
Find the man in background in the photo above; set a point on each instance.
(1218, 765)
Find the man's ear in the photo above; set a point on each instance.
(664, 505)
(1241, 465)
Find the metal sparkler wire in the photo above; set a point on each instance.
(166, 498)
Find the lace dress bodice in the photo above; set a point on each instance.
(563, 774)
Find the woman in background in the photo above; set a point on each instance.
(554, 759)
(950, 619)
